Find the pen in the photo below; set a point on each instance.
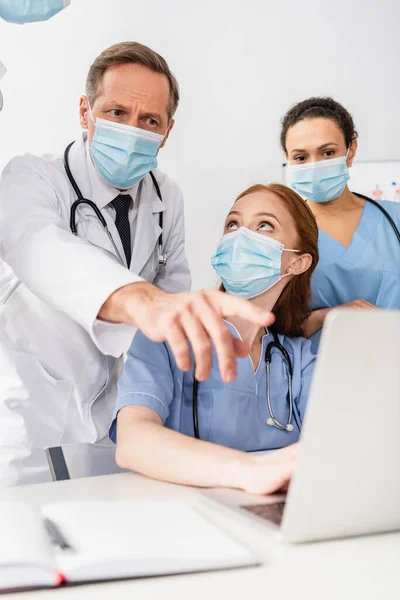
(55, 534)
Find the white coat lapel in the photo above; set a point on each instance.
(115, 236)
(147, 225)
(90, 228)
(78, 166)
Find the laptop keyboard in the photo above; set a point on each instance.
(270, 512)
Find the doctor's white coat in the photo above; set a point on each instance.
(58, 363)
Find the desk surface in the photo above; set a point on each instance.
(365, 568)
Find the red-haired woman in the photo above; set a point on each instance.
(267, 254)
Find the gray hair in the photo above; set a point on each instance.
(131, 53)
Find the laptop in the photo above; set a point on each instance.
(347, 478)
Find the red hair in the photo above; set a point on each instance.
(293, 305)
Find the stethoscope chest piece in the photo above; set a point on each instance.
(162, 258)
(274, 423)
(272, 420)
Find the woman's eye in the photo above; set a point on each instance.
(231, 226)
(266, 227)
(329, 153)
(300, 158)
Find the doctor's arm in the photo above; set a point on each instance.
(181, 317)
(61, 269)
(189, 317)
(80, 280)
(178, 318)
(145, 445)
(316, 319)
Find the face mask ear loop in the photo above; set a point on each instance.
(289, 273)
(285, 275)
(90, 112)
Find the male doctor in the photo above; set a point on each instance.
(70, 304)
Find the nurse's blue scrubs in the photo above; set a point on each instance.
(230, 414)
(368, 269)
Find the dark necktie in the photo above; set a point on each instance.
(122, 204)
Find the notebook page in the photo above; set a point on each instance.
(141, 534)
(23, 537)
(26, 558)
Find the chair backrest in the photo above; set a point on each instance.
(72, 461)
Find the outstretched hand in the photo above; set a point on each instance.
(194, 318)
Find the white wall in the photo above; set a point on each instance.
(240, 64)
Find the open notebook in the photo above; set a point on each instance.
(110, 540)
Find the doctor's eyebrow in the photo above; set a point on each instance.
(111, 104)
(319, 147)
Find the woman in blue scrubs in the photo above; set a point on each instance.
(267, 254)
(359, 251)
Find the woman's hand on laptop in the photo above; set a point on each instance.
(269, 473)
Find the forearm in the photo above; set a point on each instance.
(118, 306)
(150, 448)
(315, 321)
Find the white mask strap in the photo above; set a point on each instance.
(91, 115)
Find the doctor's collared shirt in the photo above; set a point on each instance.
(105, 193)
(230, 414)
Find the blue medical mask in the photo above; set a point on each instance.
(248, 263)
(30, 11)
(320, 181)
(122, 154)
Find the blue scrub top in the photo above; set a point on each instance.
(230, 414)
(369, 268)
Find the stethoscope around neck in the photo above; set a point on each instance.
(162, 258)
(272, 420)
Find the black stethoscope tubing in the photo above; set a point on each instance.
(81, 200)
(268, 358)
(383, 211)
